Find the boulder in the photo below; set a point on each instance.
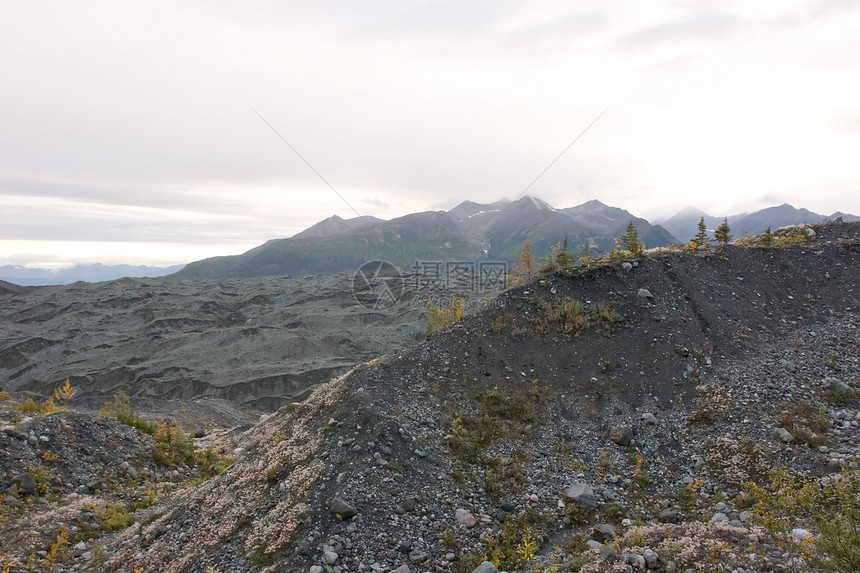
(342, 509)
(582, 494)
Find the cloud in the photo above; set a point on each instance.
(123, 122)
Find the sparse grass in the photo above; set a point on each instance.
(120, 408)
(5, 397)
(570, 313)
(807, 424)
(795, 236)
(713, 403)
(113, 517)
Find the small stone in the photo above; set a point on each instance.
(719, 518)
(626, 267)
(316, 569)
(800, 535)
(783, 435)
(24, 482)
(634, 560)
(651, 558)
(124, 466)
(342, 509)
(645, 293)
(582, 494)
(485, 567)
(621, 436)
(32, 440)
(463, 517)
(626, 522)
(329, 557)
(670, 515)
(649, 418)
(417, 557)
(603, 532)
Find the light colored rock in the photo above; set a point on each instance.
(485, 567)
(645, 293)
(651, 558)
(582, 494)
(463, 517)
(783, 435)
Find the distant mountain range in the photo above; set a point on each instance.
(684, 224)
(469, 232)
(88, 273)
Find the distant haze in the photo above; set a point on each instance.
(129, 131)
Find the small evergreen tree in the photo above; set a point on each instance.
(563, 257)
(766, 240)
(630, 239)
(701, 238)
(722, 232)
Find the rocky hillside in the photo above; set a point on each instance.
(621, 417)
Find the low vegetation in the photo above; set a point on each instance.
(439, 317)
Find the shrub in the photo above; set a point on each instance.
(438, 317)
(114, 517)
(805, 423)
(174, 447)
(829, 503)
(558, 258)
(121, 409)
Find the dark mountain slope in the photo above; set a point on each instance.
(774, 217)
(612, 222)
(432, 235)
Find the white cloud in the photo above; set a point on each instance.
(129, 122)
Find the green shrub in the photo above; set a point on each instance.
(114, 517)
(438, 317)
(120, 408)
(174, 447)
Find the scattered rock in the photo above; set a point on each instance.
(783, 435)
(603, 532)
(621, 436)
(463, 517)
(25, 483)
(583, 494)
(645, 293)
(485, 567)
(342, 509)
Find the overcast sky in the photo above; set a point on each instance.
(128, 130)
